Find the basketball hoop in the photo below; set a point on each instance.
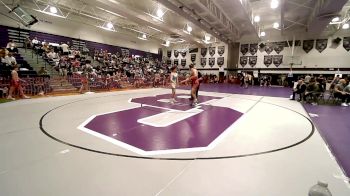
(183, 47)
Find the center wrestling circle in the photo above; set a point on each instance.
(52, 111)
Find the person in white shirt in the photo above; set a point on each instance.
(173, 83)
(35, 41)
(65, 48)
(9, 59)
(11, 47)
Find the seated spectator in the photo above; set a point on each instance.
(9, 59)
(65, 48)
(28, 43)
(53, 57)
(335, 80)
(11, 47)
(339, 92)
(3, 92)
(313, 91)
(35, 42)
(322, 81)
(307, 79)
(16, 85)
(42, 71)
(299, 89)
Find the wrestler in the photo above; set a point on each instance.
(16, 84)
(194, 83)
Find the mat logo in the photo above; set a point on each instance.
(159, 127)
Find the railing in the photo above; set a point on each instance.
(31, 85)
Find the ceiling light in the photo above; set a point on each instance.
(276, 25)
(346, 26)
(142, 36)
(335, 19)
(262, 34)
(53, 10)
(257, 19)
(159, 13)
(109, 25)
(189, 28)
(274, 4)
(207, 37)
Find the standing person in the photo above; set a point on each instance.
(16, 84)
(173, 83)
(200, 79)
(84, 82)
(194, 82)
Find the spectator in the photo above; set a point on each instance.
(299, 89)
(9, 59)
(11, 46)
(65, 48)
(42, 71)
(313, 91)
(339, 92)
(28, 43)
(307, 79)
(35, 42)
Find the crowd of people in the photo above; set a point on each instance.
(311, 88)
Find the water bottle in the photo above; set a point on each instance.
(320, 189)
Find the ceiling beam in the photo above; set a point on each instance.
(283, 9)
(301, 5)
(323, 14)
(181, 12)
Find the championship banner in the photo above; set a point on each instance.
(252, 60)
(204, 52)
(308, 45)
(183, 54)
(183, 62)
(321, 44)
(176, 53)
(221, 50)
(346, 43)
(203, 62)
(279, 46)
(168, 52)
(220, 61)
(268, 49)
(243, 60)
(212, 51)
(277, 60)
(267, 60)
(176, 62)
(193, 57)
(253, 48)
(211, 62)
(244, 48)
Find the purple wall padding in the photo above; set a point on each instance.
(4, 36)
(49, 37)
